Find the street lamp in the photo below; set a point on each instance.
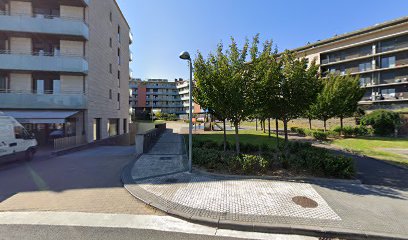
(186, 56)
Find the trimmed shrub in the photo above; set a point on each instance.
(383, 122)
(252, 164)
(300, 131)
(319, 135)
(362, 131)
(338, 166)
(348, 131)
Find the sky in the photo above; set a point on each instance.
(164, 28)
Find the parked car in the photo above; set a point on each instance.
(15, 142)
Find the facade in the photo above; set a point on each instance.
(160, 95)
(377, 54)
(65, 65)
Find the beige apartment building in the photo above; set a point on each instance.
(161, 95)
(64, 67)
(377, 54)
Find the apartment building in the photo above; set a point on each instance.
(377, 54)
(64, 65)
(160, 95)
(184, 90)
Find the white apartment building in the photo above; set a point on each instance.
(65, 65)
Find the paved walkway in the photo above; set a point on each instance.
(318, 207)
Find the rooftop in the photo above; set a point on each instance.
(398, 21)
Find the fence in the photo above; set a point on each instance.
(68, 142)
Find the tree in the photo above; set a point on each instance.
(225, 83)
(348, 94)
(210, 86)
(298, 88)
(267, 72)
(324, 106)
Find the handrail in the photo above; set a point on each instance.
(45, 16)
(40, 53)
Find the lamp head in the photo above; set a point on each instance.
(185, 56)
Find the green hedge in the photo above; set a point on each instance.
(296, 156)
(383, 122)
(166, 116)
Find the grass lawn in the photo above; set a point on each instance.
(375, 147)
(245, 136)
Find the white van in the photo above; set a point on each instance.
(15, 142)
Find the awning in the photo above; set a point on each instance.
(36, 117)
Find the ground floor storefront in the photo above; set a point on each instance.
(50, 125)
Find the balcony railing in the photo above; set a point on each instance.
(20, 99)
(42, 61)
(42, 23)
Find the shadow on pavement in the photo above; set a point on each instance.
(99, 167)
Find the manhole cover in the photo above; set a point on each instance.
(171, 180)
(305, 202)
(165, 158)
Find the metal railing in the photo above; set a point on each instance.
(68, 142)
(41, 53)
(65, 92)
(42, 16)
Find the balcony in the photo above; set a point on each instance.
(29, 100)
(130, 38)
(45, 24)
(19, 61)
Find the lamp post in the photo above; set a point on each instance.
(186, 56)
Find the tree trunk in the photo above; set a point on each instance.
(325, 128)
(285, 129)
(269, 127)
(264, 126)
(277, 131)
(341, 126)
(236, 138)
(310, 123)
(256, 124)
(225, 136)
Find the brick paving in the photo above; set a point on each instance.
(260, 204)
(87, 181)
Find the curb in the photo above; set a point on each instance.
(313, 231)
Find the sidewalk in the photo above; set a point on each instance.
(318, 208)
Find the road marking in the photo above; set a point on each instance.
(158, 223)
(41, 184)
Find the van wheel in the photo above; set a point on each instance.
(29, 155)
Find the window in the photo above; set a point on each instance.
(388, 62)
(113, 127)
(362, 67)
(388, 93)
(365, 81)
(110, 67)
(110, 42)
(118, 33)
(110, 17)
(110, 93)
(19, 132)
(118, 56)
(119, 79)
(118, 101)
(125, 125)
